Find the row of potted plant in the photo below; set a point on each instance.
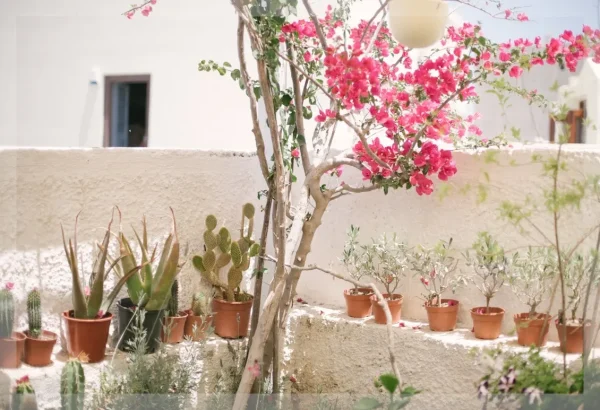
(529, 275)
(151, 285)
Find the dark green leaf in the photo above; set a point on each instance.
(307, 113)
(257, 91)
(389, 381)
(301, 140)
(293, 178)
(226, 64)
(482, 41)
(221, 70)
(367, 403)
(236, 74)
(409, 391)
(385, 189)
(286, 100)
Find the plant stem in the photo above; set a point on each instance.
(589, 340)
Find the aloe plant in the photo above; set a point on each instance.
(90, 303)
(150, 287)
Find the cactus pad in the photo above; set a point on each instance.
(210, 240)
(254, 250)
(248, 211)
(236, 254)
(234, 277)
(223, 260)
(198, 263)
(209, 260)
(211, 222)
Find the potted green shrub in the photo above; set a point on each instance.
(490, 272)
(530, 279)
(386, 261)
(231, 305)
(570, 326)
(88, 323)
(358, 300)
(199, 317)
(11, 342)
(149, 288)
(39, 342)
(436, 270)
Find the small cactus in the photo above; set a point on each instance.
(23, 397)
(200, 304)
(173, 306)
(72, 385)
(34, 313)
(220, 251)
(7, 311)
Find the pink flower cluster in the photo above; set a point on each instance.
(145, 9)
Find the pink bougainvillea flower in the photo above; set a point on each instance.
(24, 379)
(86, 291)
(296, 153)
(401, 324)
(9, 286)
(307, 57)
(522, 17)
(507, 13)
(302, 301)
(254, 369)
(515, 71)
(432, 274)
(130, 14)
(293, 379)
(424, 281)
(146, 11)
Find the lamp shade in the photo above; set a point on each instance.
(418, 23)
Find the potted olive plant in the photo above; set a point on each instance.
(39, 342)
(530, 278)
(11, 342)
(436, 270)
(88, 323)
(199, 317)
(231, 305)
(386, 261)
(358, 300)
(570, 326)
(490, 272)
(149, 288)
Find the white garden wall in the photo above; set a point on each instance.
(43, 188)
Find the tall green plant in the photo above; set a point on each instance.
(72, 385)
(150, 287)
(220, 251)
(34, 313)
(7, 311)
(92, 304)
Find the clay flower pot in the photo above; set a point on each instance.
(175, 326)
(38, 351)
(395, 305)
(529, 331)
(358, 302)
(11, 351)
(231, 319)
(88, 336)
(487, 325)
(443, 318)
(202, 323)
(574, 342)
(418, 23)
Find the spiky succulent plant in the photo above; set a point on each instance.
(72, 385)
(34, 313)
(221, 251)
(23, 397)
(7, 311)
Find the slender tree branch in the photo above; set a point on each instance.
(376, 34)
(356, 190)
(588, 339)
(372, 19)
(317, 24)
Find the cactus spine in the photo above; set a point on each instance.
(34, 313)
(173, 305)
(72, 385)
(23, 398)
(199, 304)
(7, 313)
(220, 251)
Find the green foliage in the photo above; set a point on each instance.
(34, 313)
(200, 304)
(173, 305)
(160, 380)
(220, 251)
(23, 397)
(397, 399)
(7, 313)
(89, 307)
(149, 286)
(72, 385)
(532, 274)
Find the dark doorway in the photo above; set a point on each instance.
(126, 110)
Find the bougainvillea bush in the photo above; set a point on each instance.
(358, 77)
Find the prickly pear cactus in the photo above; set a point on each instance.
(23, 397)
(173, 306)
(7, 312)
(72, 385)
(200, 304)
(221, 251)
(34, 313)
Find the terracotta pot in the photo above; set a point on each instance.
(87, 336)
(443, 318)
(574, 342)
(529, 331)
(201, 323)
(11, 351)
(395, 306)
(487, 325)
(231, 319)
(358, 304)
(176, 326)
(38, 351)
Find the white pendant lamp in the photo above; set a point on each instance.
(418, 23)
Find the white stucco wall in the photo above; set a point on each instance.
(43, 188)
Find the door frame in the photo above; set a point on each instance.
(109, 80)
